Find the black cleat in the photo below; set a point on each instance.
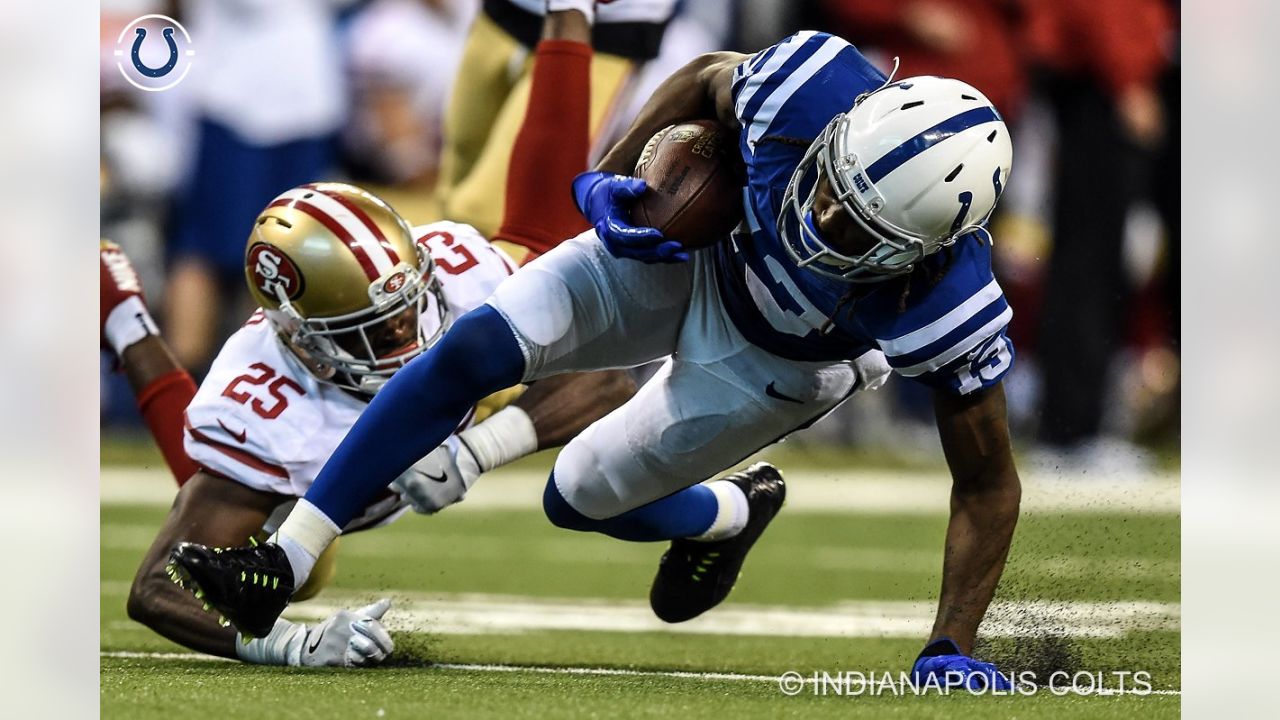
(250, 586)
(694, 577)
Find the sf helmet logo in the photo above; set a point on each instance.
(273, 272)
(159, 52)
(394, 283)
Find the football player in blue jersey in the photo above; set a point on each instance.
(862, 253)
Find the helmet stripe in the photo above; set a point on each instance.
(364, 219)
(335, 227)
(360, 235)
(926, 139)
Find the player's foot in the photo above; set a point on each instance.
(693, 576)
(250, 586)
(117, 282)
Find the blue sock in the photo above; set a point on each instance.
(416, 410)
(685, 513)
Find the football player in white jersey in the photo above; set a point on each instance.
(349, 293)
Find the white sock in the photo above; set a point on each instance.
(127, 323)
(282, 646)
(303, 536)
(731, 513)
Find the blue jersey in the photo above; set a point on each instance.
(944, 326)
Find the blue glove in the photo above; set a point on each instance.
(602, 197)
(942, 661)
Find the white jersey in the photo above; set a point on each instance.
(262, 419)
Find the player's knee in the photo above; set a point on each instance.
(539, 304)
(581, 480)
(560, 512)
(144, 604)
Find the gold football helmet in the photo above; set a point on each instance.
(338, 273)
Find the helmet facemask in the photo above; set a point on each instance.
(360, 351)
(895, 251)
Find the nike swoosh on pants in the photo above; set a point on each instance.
(773, 392)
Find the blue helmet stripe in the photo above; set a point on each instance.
(896, 157)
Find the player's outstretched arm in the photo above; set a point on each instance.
(220, 512)
(563, 406)
(985, 494)
(162, 387)
(549, 414)
(699, 90)
(209, 510)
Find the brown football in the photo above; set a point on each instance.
(694, 173)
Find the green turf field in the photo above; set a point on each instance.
(499, 614)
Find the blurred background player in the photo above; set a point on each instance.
(971, 40)
(1102, 67)
(1088, 91)
(350, 294)
(492, 91)
(268, 106)
(403, 59)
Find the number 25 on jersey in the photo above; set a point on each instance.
(275, 384)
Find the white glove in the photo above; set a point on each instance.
(348, 638)
(440, 479)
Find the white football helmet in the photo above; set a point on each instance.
(917, 163)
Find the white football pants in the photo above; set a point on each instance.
(716, 399)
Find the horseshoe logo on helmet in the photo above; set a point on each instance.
(136, 54)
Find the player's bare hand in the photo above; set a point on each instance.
(604, 199)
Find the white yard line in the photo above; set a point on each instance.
(808, 491)
(486, 614)
(480, 614)
(597, 671)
